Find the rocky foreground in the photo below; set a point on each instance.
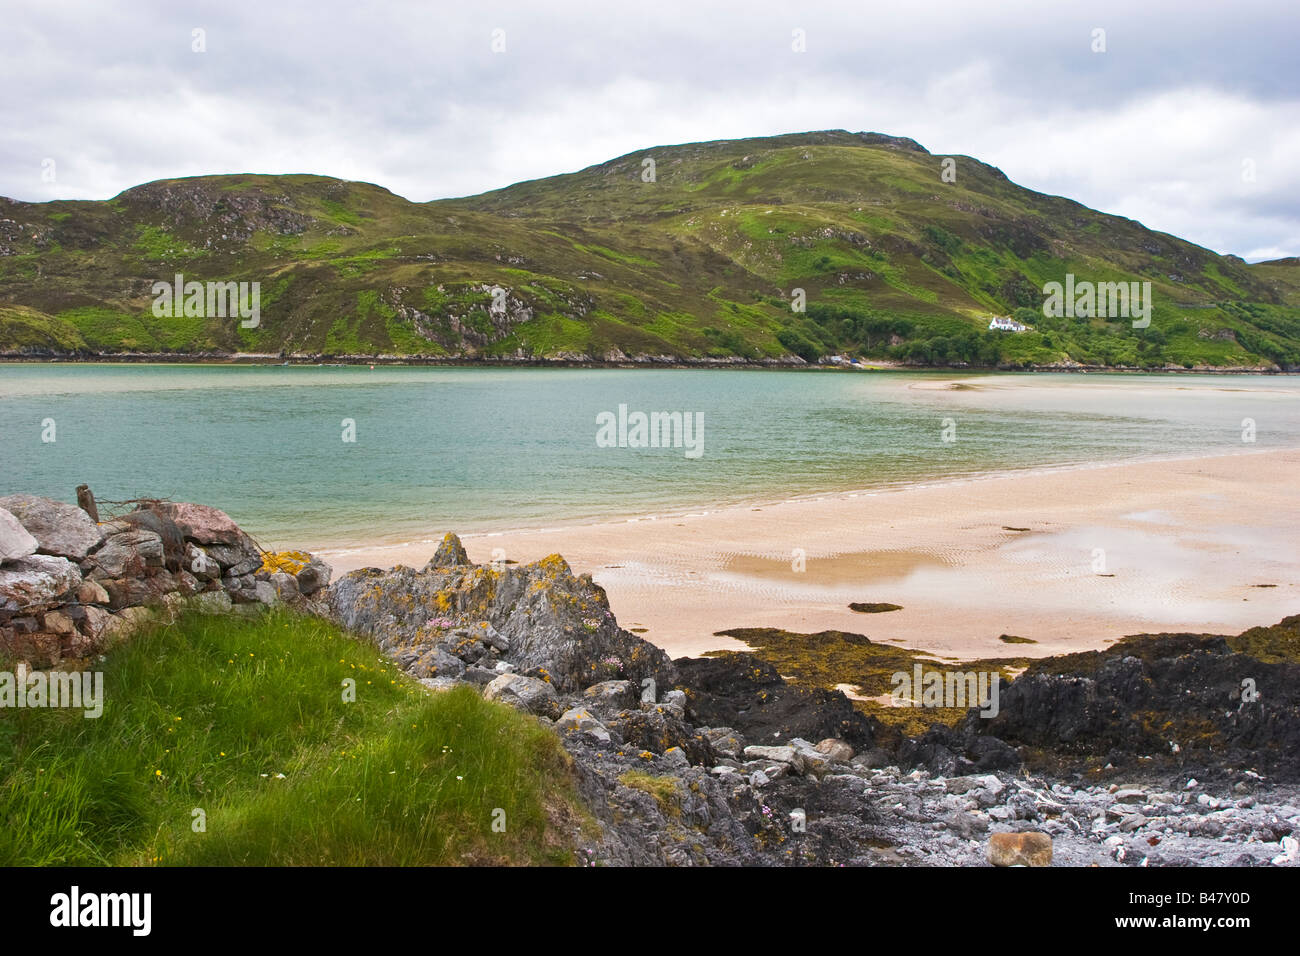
(1162, 750)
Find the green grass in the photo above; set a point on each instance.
(209, 712)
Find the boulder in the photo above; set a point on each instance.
(837, 750)
(438, 662)
(127, 553)
(1020, 849)
(36, 581)
(313, 577)
(15, 540)
(286, 586)
(201, 564)
(173, 542)
(610, 696)
(236, 559)
(774, 754)
(808, 759)
(91, 592)
(95, 622)
(580, 720)
(201, 524)
(60, 529)
(211, 602)
(725, 741)
(524, 693)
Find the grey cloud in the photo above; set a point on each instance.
(410, 96)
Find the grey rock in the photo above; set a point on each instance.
(440, 683)
(211, 602)
(314, 577)
(200, 564)
(36, 581)
(581, 720)
(60, 529)
(725, 741)
(525, 693)
(837, 750)
(783, 755)
(15, 540)
(128, 553)
(286, 586)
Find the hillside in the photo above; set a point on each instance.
(699, 264)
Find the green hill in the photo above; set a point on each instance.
(701, 263)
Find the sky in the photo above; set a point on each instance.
(1184, 116)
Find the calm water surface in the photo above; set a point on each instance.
(489, 449)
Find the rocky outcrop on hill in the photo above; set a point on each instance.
(69, 584)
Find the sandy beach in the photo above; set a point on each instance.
(1071, 559)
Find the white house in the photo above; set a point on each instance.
(1001, 323)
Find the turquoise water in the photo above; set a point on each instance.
(491, 449)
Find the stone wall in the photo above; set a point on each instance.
(69, 584)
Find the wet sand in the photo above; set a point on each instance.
(1105, 551)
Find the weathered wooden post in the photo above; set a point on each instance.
(86, 500)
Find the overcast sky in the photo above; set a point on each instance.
(1189, 121)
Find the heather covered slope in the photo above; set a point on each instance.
(700, 263)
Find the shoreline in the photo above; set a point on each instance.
(704, 509)
(217, 360)
(1196, 543)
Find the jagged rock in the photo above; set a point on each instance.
(547, 619)
(60, 529)
(525, 693)
(15, 540)
(1020, 849)
(36, 581)
(450, 554)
